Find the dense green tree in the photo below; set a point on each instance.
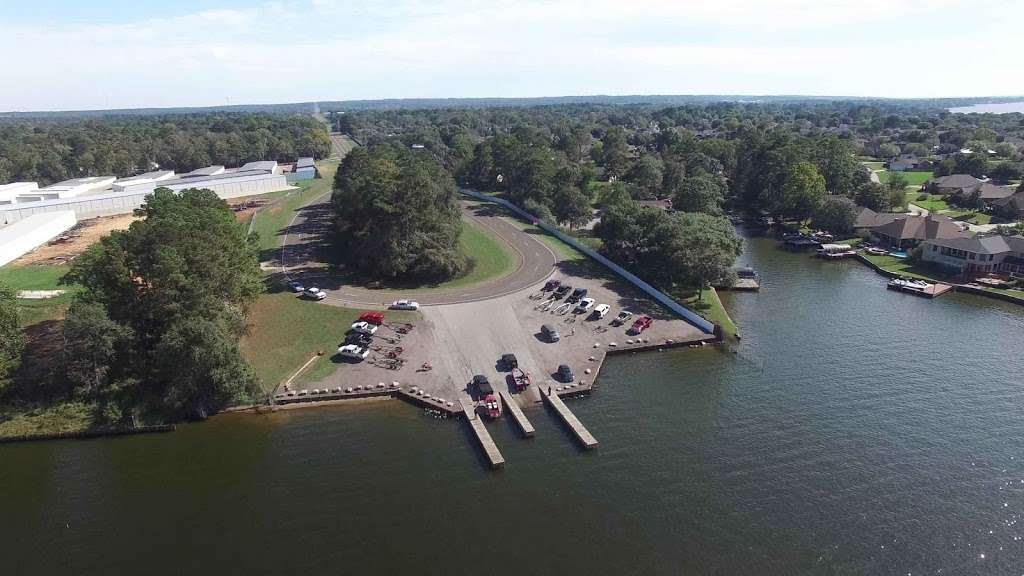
(974, 164)
(186, 267)
(837, 164)
(614, 152)
(836, 214)
(91, 344)
(1005, 171)
(12, 341)
(897, 182)
(571, 206)
(872, 195)
(645, 175)
(803, 191)
(686, 249)
(396, 215)
(700, 194)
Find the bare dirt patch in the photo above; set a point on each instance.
(75, 241)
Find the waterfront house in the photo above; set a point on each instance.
(907, 231)
(953, 184)
(974, 255)
(1010, 207)
(867, 219)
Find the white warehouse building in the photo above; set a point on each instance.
(149, 177)
(10, 192)
(67, 189)
(28, 234)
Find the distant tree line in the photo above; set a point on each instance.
(51, 150)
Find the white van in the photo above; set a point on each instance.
(600, 310)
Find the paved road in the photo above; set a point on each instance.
(534, 261)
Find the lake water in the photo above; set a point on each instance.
(854, 430)
(1001, 108)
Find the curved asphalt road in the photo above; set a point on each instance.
(534, 262)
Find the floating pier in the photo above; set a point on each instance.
(578, 429)
(932, 291)
(484, 437)
(517, 414)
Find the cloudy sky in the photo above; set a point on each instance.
(118, 53)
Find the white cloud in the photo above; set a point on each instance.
(333, 49)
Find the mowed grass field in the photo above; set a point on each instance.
(285, 331)
(38, 278)
(914, 178)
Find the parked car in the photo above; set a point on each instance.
(405, 305)
(584, 306)
(509, 361)
(621, 319)
(372, 317)
(354, 352)
(562, 290)
(365, 328)
(642, 323)
(482, 385)
(295, 286)
(600, 311)
(314, 293)
(551, 285)
(577, 294)
(565, 373)
(358, 338)
(550, 333)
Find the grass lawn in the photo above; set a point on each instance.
(491, 257)
(903, 267)
(285, 331)
(71, 416)
(971, 216)
(914, 178)
(710, 307)
(274, 217)
(876, 166)
(932, 202)
(38, 278)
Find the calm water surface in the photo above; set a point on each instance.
(1001, 108)
(853, 431)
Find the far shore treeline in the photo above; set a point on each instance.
(51, 150)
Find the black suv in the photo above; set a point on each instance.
(565, 373)
(577, 295)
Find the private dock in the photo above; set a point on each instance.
(932, 291)
(484, 437)
(517, 414)
(582, 434)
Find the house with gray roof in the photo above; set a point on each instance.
(954, 183)
(1011, 207)
(976, 255)
(907, 231)
(867, 219)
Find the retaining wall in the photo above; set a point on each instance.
(683, 312)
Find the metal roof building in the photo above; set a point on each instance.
(30, 233)
(8, 192)
(121, 183)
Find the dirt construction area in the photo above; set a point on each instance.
(76, 240)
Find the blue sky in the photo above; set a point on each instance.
(115, 53)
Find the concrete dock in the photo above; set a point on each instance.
(582, 434)
(484, 437)
(517, 414)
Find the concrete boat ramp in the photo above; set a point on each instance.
(512, 408)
